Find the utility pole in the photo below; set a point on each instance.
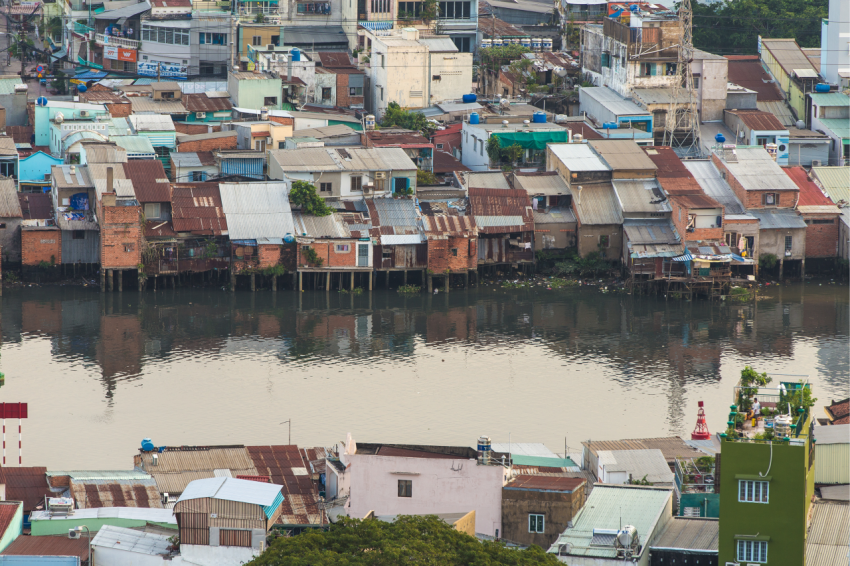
(684, 119)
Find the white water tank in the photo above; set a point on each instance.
(484, 450)
(370, 122)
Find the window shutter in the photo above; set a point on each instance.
(652, 69)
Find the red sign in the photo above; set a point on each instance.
(119, 53)
(13, 410)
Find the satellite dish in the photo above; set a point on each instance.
(800, 125)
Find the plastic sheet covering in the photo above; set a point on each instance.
(532, 140)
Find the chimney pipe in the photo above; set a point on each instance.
(109, 179)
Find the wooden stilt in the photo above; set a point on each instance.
(371, 273)
(110, 281)
(102, 280)
(352, 280)
(300, 281)
(120, 281)
(253, 282)
(328, 282)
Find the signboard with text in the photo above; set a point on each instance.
(119, 53)
(166, 70)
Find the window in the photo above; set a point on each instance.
(326, 93)
(171, 36)
(454, 252)
(342, 248)
(669, 69)
(462, 44)
(315, 8)
(439, 146)
(2, 225)
(788, 242)
(535, 523)
(771, 199)
(260, 145)
(405, 487)
(166, 95)
(199, 176)
(355, 91)
(270, 101)
(382, 93)
(78, 235)
(752, 551)
(696, 83)
(387, 254)
(409, 10)
(212, 38)
(606, 60)
(753, 491)
(356, 183)
(206, 69)
(276, 40)
(647, 69)
(454, 10)
(605, 241)
(256, 41)
(325, 187)
(7, 169)
(820, 221)
(281, 145)
(152, 210)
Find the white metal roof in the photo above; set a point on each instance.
(578, 157)
(138, 513)
(151, 123)
(231, 489)
(131, 540)
(613, 101)
(343, 159)
(257, 210)
(709, 179)
(639, 463)
(523, 449)
(400, 239)
(833, 434)
(756, 170)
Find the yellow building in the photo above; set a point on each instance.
(256, 35)
(792, 70)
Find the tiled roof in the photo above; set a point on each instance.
(149, 180)
(27, 484)
(48, 546)
(545, 483)
(748, 72)
(197, 208)
(203, 103)
(488, 204)
(8, 509)
(839, 411)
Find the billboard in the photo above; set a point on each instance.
(119, 53)
(166, 70)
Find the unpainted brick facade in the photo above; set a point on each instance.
(821, 235)
(120, 236)
(343, 95)
(190, 128)
(259, 257)
(334, 253)
(41, 244)
(755, 199)
(228, 142)
(457, 253)
(680, 221)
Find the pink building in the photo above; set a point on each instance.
(404, 479)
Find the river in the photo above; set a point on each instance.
(204, 366)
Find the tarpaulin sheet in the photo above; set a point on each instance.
(532, 140)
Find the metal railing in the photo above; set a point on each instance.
(82, 29)
(104, 39)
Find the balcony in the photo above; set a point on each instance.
(784, 414)
(103, 39)
(81, 29)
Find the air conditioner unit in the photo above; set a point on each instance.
(73, 534)
(271, 46)
(816, 162)
(84, 114)
(200, 114)
(367, 189)
(380, 175)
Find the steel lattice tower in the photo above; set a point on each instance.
(685, 120)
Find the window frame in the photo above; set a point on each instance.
(405, 488)
(78, 234)
(768, 196)
(158, 206)
(256, 40)
(789, 243)
(356, 183)
(329, 189)
(536, 523)
(751, 548)
(342, 248)
(604, 240)
(747, 488)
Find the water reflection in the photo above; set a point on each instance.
(547, 343)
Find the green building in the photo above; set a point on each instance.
(12, 516)
(766, 488)
(254, 90)
(44, 523)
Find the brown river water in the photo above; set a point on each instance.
(204, 366)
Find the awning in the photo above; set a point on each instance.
(740, 259)
(532, 140)
(91, 75)
(375, 26)
(685, 257)
(59, 54)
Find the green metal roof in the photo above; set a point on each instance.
(830, 98)
(133, 144)
(521, 460)
(610, 507)
(839, 126)
(835, 181)
(7, 86)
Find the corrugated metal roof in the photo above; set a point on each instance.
(623, 155)
(343, 159)
(149, 180)
(695, 201)
(638, 463)
(91, 494)
(778, 108)
(232, 489)
(104, 153)
(597, 204)
(401, 214)
(690, 534)
(201, 102)
(826, 543)
(447, 107)
(578, 157)
(835, 181)
(613, 101)
(641, 196)
(650, 231)
(134, 145)
(35, 206)
(325, 132)
(545, 483)
(658, 95)
(401, 239)
(497, 211)
(130, 540)
(7, 84)
(523, 449)
(138, 513)
(609, 507)
(10, 205)
(818, 209)
(99, 475)
(184, 138)
(672, 446)
(839, 126)
(332, 226)
(63, 177)
(176, 482)
(151, 123)
(48, 546)
(756, 170)
(714, 185)
(833, 434)
(147, 104)
(829, 99)
(439, 44)
(484, 180)
(197, 208)
(186, 159)
(836, 492)
(448, 225)
(557, 215)
(256, 210)
(548, 184)
(778, 219)
(758, 120)
(748, 72)
(789, 55)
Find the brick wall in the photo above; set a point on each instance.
(208, 145)
(754, 199)
(328, 252)
(342, 91)
(269, 255)
(442, 257)
(821, 239)
(100, 88)
(39, 245)
(282, 120)
(120, 237)
(190, 128)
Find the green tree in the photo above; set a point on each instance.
(398, 117)
(304, 195)
(53, 28)
(425, 178)
(407, 540)
(21, 44)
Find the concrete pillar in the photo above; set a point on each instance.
(781, 268)
(430, 284)
(328, 282)
(120, 280)
(109, 280)
(448, 278)
(253, 282)
(371, 273)
(232, 281)
(466, 279)
(300, 280)
(803, 270)
(352, 280)
(405, 277)
(102, 280)
(274, 283)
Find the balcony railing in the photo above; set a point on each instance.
(81, 29)
(103, 39)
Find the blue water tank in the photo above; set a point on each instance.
(147, 445)
(289, 238)
(296, 54)
(41, 101)
(473, 118)
(822, 87)
(467, 98)
(719, 138)
(633, 8)
(539, 118)
(82, 88)
(610, 125)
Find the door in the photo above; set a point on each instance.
(362, 255)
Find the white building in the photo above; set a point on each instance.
(474, 138)
(393, 479)
(416, 72)
(183, 45)
(835, 44)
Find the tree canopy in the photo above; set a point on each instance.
(304, 195)
(727, 28)
(408, 540)
(398, 117)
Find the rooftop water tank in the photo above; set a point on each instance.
(610, 125)
(468, 98)
(296, 54)
(822, 87)
(289, 238)
(370, 122)
(486, 43)
(719, 138)
(41, 101)
(525, 42)
(473, 118)
(539, 118)
(147, 445)
(83, 88)
(484, 449)
(536, 43)
(633, 8)
(547, 44)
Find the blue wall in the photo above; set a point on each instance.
(34, 167)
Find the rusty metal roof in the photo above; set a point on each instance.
(90, 494)
(487, 205)
(197, 208)
(289, 466)
(448, 225)
(672, 446)
(149, 180)
(333, 59)
(695, 201)
(396, 137)
(758, 119)
(159, 229)
(395, 217)
(545, 483)
(445, 162)
(309, 226)
(10, 206)
(748, 72)
(203, 103)
(178, 466)
(48, 546)
(27, 484)
(35, 206)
